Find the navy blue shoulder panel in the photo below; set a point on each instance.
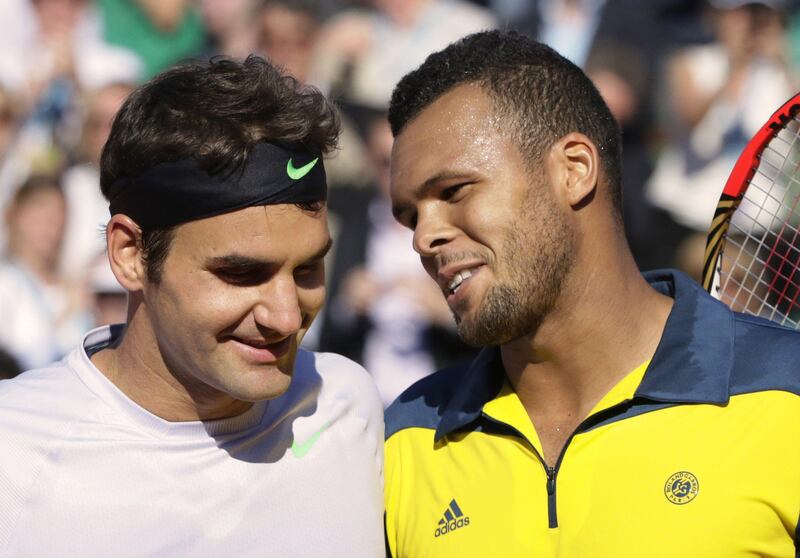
(423, 404)
(766, 357)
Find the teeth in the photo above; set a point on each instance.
(456, 281)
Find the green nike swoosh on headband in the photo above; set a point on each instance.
(297, 174)
(301, 449)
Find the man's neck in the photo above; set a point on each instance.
(603, 327)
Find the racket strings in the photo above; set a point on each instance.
(774, 260)
(758, 269)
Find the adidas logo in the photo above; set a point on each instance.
(453, 518)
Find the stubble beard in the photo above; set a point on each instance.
(538, 263)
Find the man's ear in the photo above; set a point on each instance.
(576, 161)
(123, 240)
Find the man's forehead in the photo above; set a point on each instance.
(453, 110)
(459, 129)
(256, 229)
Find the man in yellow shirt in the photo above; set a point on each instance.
(610, 413)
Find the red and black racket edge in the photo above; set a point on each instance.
(737, 184)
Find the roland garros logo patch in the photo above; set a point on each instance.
(681, 488)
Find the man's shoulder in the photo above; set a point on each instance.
(38, 386)
(422, 404)
(766, 356)
(43, 399)
(335, 376)
(332, 368)
(38, 410)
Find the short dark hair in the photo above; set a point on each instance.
(214, 113)
(541, 95)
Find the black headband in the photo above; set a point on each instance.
(180, 191)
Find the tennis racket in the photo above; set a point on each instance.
(753, 247)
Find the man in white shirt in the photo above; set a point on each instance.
(199, 428)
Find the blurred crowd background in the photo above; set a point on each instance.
(688, 80)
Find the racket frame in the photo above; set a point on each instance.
(736, 186)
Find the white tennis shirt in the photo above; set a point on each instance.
(85, 472)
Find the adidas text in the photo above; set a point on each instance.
(452, 526)
(452, 519)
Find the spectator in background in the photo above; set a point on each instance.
(229, 26)
(159, 32)
(87, 210)
(43, 317)
(631, 41)
(287, 34)
(48, 47)
(364, 54)
(50, 52)
(573, 27)
(384, 311)
(718, 95)
(569, 26)
(9, 125)
(620, 74)
(7, 120)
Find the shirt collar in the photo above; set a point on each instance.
(481, 383)
(694, 358)
(692, 363)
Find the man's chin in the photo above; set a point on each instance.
(483, 331)
(262, 382)
(275, 384)
(476, 336)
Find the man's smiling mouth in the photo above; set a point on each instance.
(261, 350)
(456, 282)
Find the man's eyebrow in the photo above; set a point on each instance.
(322, 252)
(230, 261)
(238, 261)
(423, 189)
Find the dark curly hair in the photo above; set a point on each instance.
(214, 113)
(540, 95)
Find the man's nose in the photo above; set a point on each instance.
(433, 230)
(278, 307)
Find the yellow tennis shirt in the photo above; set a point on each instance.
(694, 454)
